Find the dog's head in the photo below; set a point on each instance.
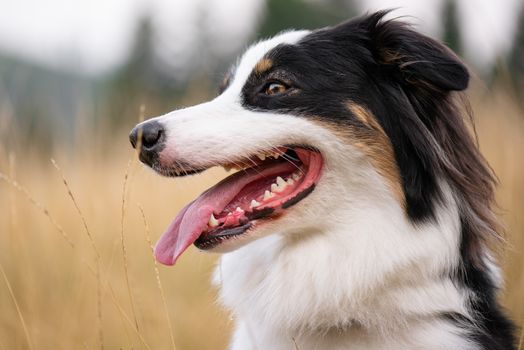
(327, 127)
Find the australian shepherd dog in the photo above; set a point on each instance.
(360, 213)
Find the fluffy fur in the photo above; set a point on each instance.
(390, 251)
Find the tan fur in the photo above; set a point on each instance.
(375, 144)
(263, 65)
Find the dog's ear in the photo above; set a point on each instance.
(414, 58)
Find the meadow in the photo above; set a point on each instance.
(76, 269)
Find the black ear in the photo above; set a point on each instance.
(415, 58)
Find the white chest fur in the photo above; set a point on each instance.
(373, 282)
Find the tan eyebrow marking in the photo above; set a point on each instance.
(263, 66)
(365, 117)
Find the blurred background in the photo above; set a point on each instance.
(76, 269)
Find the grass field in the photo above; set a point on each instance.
(78, 272)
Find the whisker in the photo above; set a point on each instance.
(243, 164)
(248, 166)
(286, 157)
(180, 167)
(292, 160)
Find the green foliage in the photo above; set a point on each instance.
(516, 55)
(38, 103)
(300, 14)
(138, 82)
(451, 34)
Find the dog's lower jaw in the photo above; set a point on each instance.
(356, 286)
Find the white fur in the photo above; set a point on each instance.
(344, 268)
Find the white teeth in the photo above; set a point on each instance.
(290, 181)
(261, 156)
(268, 195)
(276, 155)
(279, 186)
(296, 176)
(212, 221)
(238, 209)
(254, 203)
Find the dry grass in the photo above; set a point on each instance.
(80, 273)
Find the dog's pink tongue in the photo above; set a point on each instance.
(193, 219)
(172, 244)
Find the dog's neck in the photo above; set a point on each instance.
(427, 334)
(360, 279)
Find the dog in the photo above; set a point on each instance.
(360, 216)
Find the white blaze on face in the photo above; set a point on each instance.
(214, 131)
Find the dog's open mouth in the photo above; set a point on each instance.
(273, 182)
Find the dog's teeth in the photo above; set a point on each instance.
(290, 181)
(268, 195)
(253, 204)
(296, 176)
(261, 156)
(212, 221)
(279, 186)
(276, 155)
(238, 209)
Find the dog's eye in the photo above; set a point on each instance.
(274, 88)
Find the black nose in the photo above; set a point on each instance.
(149, 137)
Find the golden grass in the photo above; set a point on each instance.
(15, 302)
(66, 285)
(157, 275)
(97, 256)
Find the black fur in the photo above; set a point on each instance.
(407, 81)
(493, 330)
